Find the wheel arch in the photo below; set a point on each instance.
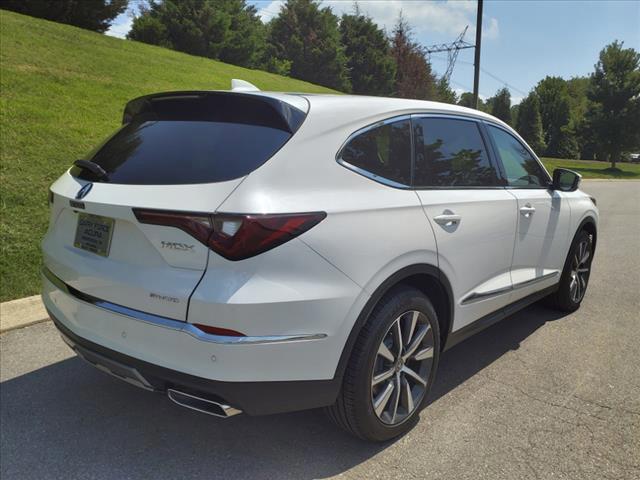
(425, 277)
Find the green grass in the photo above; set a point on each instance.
(591, 169)
(62, 90)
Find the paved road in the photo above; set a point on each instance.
(540, 395)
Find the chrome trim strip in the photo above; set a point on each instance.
(476, 297)
(526, 283)
(372, 176)
(176, 325)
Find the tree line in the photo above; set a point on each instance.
(594, 117)
(350, 53)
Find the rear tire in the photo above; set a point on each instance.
(391, 369)
(575, 275)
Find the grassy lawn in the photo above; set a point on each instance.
(62, 90)
(591, 169)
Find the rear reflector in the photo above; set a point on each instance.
(235, 237)
(225, 332)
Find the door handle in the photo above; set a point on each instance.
(447, 220)
(527, 210)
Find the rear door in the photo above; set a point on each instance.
(473, 217)
(177, 154)
(543, 216)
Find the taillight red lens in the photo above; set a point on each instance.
(235, 237)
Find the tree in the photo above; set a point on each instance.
(96, 15)
(501, 105)
(227, 30)
(529, 123)
(466, 100)
(369, 62)
(555, 110)
(414, 78)
(308, 37)
(444, 92)
(614, 90)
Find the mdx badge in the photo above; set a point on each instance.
(177, 246)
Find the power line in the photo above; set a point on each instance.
(452, 50)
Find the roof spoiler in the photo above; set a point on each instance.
(238, 85)
(234, 106)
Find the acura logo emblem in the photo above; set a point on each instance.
(84, 190)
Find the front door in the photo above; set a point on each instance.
(543, 217)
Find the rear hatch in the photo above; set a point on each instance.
(179, 152)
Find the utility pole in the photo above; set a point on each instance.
(476, 61)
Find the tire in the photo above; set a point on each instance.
(575, 275)
(404, 313)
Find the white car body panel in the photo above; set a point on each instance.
(316, 284)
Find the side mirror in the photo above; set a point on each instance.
(565, 180)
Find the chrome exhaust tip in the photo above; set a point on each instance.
(203, 405)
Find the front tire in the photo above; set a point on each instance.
(575, 275)
(391, 369)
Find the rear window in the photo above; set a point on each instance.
(193, 139)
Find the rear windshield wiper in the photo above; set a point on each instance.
(94, 168)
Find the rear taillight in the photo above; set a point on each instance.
(235, 237)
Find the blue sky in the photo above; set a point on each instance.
(523, 41)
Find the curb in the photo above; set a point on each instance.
(22, 313)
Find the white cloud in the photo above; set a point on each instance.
(440, 17)
(121, 25)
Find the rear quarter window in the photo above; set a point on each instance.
(383, 151)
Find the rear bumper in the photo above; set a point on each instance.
(253, 398)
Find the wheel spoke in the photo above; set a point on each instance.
(396, 399)
(381, 401)
(572, 287)
(424, 354)
(407, 371)
(382, 377)
(415, 343)
(384, 352)
(397, 336)
(413, 321)
(583, 270)
(407, 396)
(585, 256)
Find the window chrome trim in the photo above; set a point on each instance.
(410, 116)
(171, 324)
(478, 296)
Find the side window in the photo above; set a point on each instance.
(521, 168)
(384, 151)
(450, 153)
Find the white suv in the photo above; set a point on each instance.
(263, 252)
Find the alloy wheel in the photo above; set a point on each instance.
(402, 367)
(580, 265)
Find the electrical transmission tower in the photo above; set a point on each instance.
(452, 50)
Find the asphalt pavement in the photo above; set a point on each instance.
(540, 395)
